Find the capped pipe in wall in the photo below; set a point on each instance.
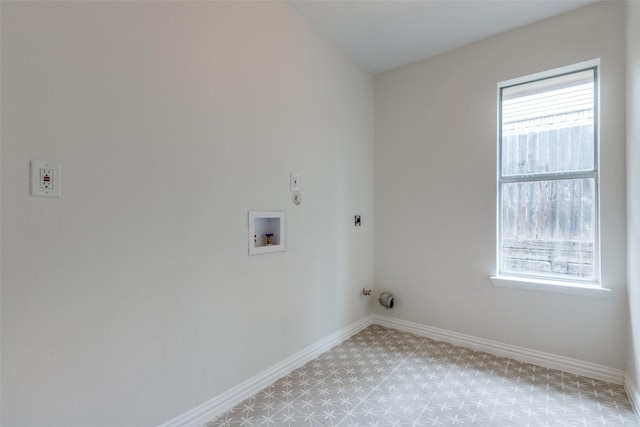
(386, 300)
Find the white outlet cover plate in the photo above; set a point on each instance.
(295, 181)
(56, 179)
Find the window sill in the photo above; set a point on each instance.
(554, 286)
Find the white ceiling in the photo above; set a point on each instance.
(382, 35)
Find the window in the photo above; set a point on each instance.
(548, 177)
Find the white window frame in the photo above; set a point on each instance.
(541, 283)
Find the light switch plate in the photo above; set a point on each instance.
(295, 181)
(46, 179)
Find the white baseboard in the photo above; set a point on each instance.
(205, 412)
(632, 392)
(522, 354)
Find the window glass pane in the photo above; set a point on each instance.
(548, 228)
(548, 125)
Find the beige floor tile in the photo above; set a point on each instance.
(383, 377)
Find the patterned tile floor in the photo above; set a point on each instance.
(383, 377)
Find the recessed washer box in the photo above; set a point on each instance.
(266, 232)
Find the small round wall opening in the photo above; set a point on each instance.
(386, 300)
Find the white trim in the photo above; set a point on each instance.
(581, 66)
(522, 354)
(207, 411)
(593, 63)
(554, 286)
(632, 392)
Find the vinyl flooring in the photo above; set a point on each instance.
(384, 377)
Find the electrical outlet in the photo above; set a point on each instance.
(46, 179)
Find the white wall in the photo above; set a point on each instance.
(132, 299)
(435, 190)
(633, 186)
